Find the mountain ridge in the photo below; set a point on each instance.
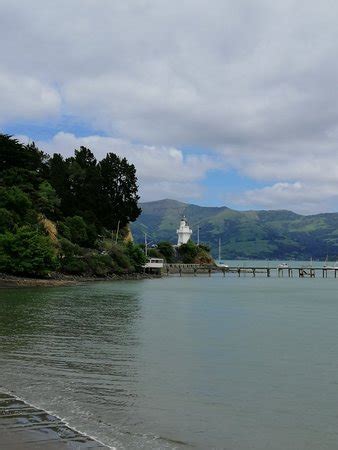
(255, 234)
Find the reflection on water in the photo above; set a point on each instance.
(70, 345)
(179, 363)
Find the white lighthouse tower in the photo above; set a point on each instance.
(184, 232)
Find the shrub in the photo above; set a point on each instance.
(100, 265)
(26, 251)
(68, 249)
(136, 256)
(167, 251)
(73, 265)
(47, 198)
(153, 253)
(14, 199)
(7, 220)
(188, 252)
(204, 247)
(75, 229)
(121, 260)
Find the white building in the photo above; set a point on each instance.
(184, 232)
(154, 265)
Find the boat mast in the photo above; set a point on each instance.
(219, 249)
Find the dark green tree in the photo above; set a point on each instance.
(27, 251)
(76, 230)
(7, 220)
(118, 202)
(14, 154)
(48, 201)
(85, 182)
(60, 181)
(136, 255)
(188, 252)
(86, 200)
(14, 199)
(167, 251)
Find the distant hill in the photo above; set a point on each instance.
(244, 234)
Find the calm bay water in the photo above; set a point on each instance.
(249, 363)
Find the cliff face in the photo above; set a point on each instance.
(128, 235)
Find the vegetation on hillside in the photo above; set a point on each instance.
(244, 234)
(63, 214)
(189, 253)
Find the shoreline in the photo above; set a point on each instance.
(26, 427)
(12, 281)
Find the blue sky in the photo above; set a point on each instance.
(227, 105)
(215, 187)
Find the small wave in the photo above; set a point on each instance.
(51, 413)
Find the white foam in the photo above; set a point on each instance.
(6, 391)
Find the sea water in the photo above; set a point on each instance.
(192, 362)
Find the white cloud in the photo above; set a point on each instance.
(305, 198)
(254, 81)
(176, 73)
(24, 97)
(162, 172)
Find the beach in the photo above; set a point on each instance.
(58, 279)
(24, 427)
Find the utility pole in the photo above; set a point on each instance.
(145, 244)
(117, 231)
(198, 235)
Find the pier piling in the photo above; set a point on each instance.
(255, 270)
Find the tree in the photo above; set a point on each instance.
(188, 252)
(167, 251)
(47, 198)
(85, 182)
(59, 179)
(136, 255)
(118, 202)
(26, 252)
(7, 220)
(15, 154)
(75, 230)
(77, 200)
(204, 247)
(14, 199)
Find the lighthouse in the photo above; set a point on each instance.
(184, 232)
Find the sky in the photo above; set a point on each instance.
(222, 102)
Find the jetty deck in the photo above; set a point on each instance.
(267, 271)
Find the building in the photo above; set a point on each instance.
(154, 265)
(184, 232)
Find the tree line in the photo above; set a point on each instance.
(61, 213)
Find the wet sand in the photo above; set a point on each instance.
(23, 427)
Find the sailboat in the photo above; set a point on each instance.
(327, 266)
(219, 263)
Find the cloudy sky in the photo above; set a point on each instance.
(216, 102)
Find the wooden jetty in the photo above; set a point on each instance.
(267, 271)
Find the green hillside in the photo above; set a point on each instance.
(244, 234)
(66, 215)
